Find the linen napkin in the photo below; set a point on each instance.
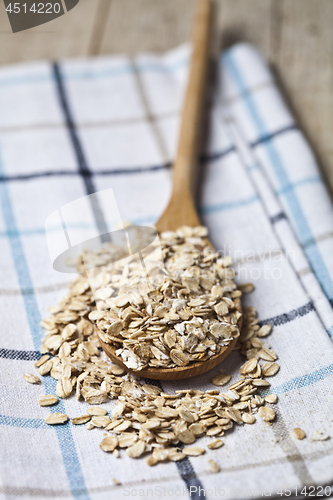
(72, 128)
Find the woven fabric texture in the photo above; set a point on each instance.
(79, 126)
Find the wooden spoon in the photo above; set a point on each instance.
(180, 210)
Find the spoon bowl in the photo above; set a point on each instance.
(179, 372)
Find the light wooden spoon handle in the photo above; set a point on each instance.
(190, 125)
(180, 209)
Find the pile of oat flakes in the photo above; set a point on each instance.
(188, 316)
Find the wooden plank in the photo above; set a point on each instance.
(147, 25)
(159, 25)
(302, 55)
(97, 33)
(66, 36)
(244, 21)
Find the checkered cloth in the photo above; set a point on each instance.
(80, 126)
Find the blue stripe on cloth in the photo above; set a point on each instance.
(301, 224)
(278, 217)
(94, 74)
(220, 207)
(20, 355)
(330, 331)
(282, 319)
(313, 179)
(64, 435)
(149, 219)
(108, 171)
(289, 128)
(135, 170)
(27, 423)
(303, 380)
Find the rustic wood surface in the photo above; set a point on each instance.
(296, 37)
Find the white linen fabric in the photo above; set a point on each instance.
(72, 128)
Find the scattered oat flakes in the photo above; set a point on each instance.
(298, 433)
(320, 436)
(95, 396)
(151, 460)
(267, 354)
(261, 383)
(101, 421)
(96, 411)
(213, 467)
(46, 367)
(269, 369)
(221, 379)
(116, 481)
(266, 413)
(175, 454)
(162, 454)
(264, 331)
(32, 379)
(213, 445)
(193, 451)
(246, 287)
(127, 439)
(191, 313)
(56, 418)
(136, 449)
(271, 398)
(41, 360)
(82, 419)
(117, 370)
(109, 443)
(48, 400)
(186, 436)
(248, 418)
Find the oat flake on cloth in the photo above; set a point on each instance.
(69, 129)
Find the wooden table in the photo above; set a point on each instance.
(296, 36)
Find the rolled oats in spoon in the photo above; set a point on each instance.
(186, 314)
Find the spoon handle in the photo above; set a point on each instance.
(187, 151)
(180, 209)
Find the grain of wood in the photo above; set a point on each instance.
(244, 20)
(147, 25)
(102, 12)
(306, 49)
